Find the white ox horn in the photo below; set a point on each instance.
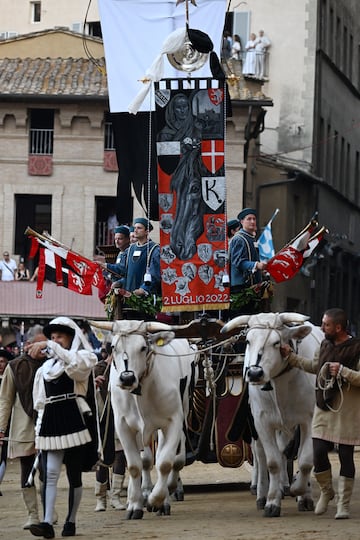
(155, 326)
(241, 320)
(296, 318)
(104, 325)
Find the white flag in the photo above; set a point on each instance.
(265, 242)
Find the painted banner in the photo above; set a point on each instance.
(192, 192)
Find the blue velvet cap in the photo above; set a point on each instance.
(144, 222)
(123, 229)
(246, 212)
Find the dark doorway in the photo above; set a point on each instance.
(32, 211)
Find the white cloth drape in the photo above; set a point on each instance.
(135, 34)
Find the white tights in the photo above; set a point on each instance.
(52, 468)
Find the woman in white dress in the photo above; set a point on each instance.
(250, 60)
(236, 48)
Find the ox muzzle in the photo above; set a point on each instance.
(127, 381)
(255, 375)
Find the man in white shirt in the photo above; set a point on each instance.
(7, 267)
(262, 43)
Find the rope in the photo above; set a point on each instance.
(325, 383)
(210, 380)
(231, 339)
(148, 202)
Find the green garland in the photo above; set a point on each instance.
(253, 295)
(109, 304)
(246, 296)
(151, 305)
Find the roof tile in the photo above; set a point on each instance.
(52, 76)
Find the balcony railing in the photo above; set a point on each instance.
(41, 141)
(258, 65)
(109, 143)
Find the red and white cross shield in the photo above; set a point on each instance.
(212, 152)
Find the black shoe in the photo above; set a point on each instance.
(69, 529)
(43, 529)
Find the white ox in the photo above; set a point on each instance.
(149, 384)
(281, 398)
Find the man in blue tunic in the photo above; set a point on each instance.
(141, 265)
(122, 242)
(245, 267)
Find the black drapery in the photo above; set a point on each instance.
(131, 133)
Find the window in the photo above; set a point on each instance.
(338, 43)
(105, 210)
(345, 66)
(94, 29)
(77, 27)
(33, 211)
(35, 12)
(109, 143)
(7, 35)
(351, 52)
(331, 34)
(41, 140)
(356, 178)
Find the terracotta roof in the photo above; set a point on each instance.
(18, 299)
(57, 30)
(52, 77)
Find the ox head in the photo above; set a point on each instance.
(266, 332)
(133, 345)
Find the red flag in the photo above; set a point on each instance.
(285, 264)
(84, 267)
(288, 261)
(55, 269)
(66, 268)
(34, 247)
(89, 271)
(314, 241)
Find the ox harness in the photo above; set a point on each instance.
(268, 386)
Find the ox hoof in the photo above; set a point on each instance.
(253, 489)
(305, 505)
(164, 510)
(178, 495)
(260, 503)
(134, 514)
(286, 491)
(272, 511)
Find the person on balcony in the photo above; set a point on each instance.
(250, 59)
(261, 46)
(7, 268)
(22, 273)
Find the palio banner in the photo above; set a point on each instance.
(192, 191)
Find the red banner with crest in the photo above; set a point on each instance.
(192, 192)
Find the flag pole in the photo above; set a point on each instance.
(319, 233)
(273, 216)
(312, 224)
(30, 232)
